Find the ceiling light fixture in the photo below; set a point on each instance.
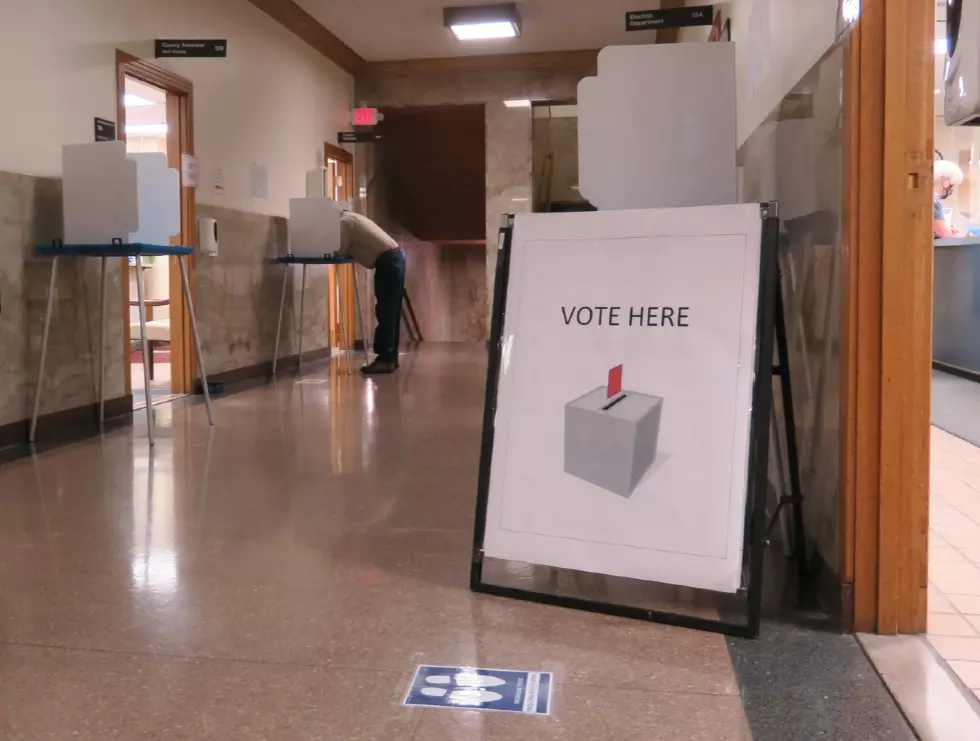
(135, 101)
(517, 103)
(481, 22)
(942, 46)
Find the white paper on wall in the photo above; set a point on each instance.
(189, 171)
(259, 182)
(759, 44)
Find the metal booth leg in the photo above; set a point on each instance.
(146, 351)
(44, 349)
(282, 307)
(343, 321)
(197, 338)
(302, 309)
(360, 314)
(102, 292)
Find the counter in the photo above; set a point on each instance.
(956, 306)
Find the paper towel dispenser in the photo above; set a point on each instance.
(207, 235)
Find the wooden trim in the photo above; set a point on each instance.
(906, 315)
(338, 153)
(849, 334)
(68, 425)
(264, 369)
(151, 74)
(293, 18)
(866, 399)
(888, 319)
(583, 58)
(122, 61)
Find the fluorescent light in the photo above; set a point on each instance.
(147, 129)
(517, 103)
(480, 22)
(479, 31)
(135, 101)
(942, 46)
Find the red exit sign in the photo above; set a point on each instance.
(365, 116)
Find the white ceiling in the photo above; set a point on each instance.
(411, 29)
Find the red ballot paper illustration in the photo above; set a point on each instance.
(611, 435)
(615, 384)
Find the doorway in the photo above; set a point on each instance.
(146, 130)
(338, 185)
(433, 162)
(155, 117)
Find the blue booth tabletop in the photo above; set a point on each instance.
(324, 260)
(134, 249)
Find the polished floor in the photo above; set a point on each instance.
(954, 556)
(936, 678)
(281, 575)
(160, 387)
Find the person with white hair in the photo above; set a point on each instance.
(947, 175)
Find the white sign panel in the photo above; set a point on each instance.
(189, 171)
(622, 432)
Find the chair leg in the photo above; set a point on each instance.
(149, 360)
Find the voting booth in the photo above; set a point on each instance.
(632, 364)
(626, 428)
(315, 240)
(117, 205)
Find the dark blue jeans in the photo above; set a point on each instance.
(389, 284)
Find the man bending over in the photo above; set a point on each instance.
(373, 248)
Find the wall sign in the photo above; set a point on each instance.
(105, 131)
(365, 117)
(358, 137)
(464, 688)
(191, 48)
(650, 20)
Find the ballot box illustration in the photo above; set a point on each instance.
(611, 435)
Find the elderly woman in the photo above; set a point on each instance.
(947, 175)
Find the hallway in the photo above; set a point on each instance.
(283, 576)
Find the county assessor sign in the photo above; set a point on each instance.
(622, 429)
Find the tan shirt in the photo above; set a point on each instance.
(363, 240)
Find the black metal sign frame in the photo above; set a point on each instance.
(755, 510)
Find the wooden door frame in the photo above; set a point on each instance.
(887, 342)
(332, 151)
(180, 141)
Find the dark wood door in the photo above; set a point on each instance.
(435, 170)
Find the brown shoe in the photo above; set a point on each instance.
(380, 367)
